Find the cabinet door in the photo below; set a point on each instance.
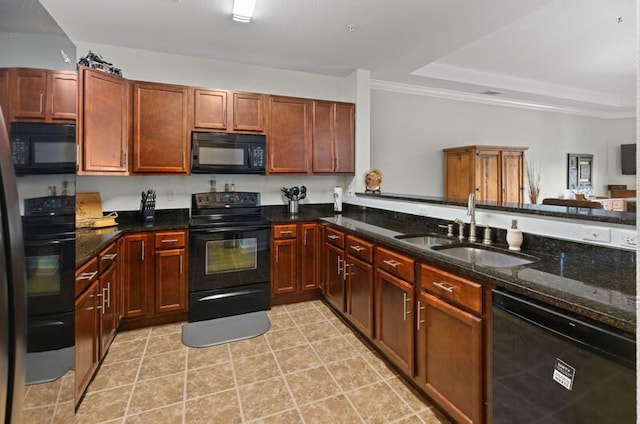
(62, 96)
(394, 319)
(344, 138)
(360, 294)
(248, 112)
(171, 281)
(28, 96)
(109, 308)
(4, 95)
(210, 109)
(309, 269)
(459, 177)
(488, 176)
(289, 133)
(453, 359)
(334, 277)
(160, 129)
(323, 159)
(137, 275)
(285, 266)
(512, 177)
(103, 129)
(86, 338)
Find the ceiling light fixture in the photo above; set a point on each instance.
(243, 10)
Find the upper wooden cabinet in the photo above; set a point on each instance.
(103, 123)
(160, 128)
(288, 139)
(228, 111)
(493, 173)
(40, 95)
(333, 141)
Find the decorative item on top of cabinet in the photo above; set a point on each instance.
(333, 140)
(289, 135)
(161, 133)
(229, 111)
(373, 181)
(41, 95)
(103, 123)
(493, 173)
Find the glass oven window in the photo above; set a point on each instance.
(43, 275)
(231, 255)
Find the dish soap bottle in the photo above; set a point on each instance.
(514, 236)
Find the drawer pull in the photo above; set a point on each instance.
(391, 262)
(169, 241)
(406, 310)
(419, 320)
(443, 286)
(339, 267)
(286, 232)
(357, 248)
(87, 275)
(332, 236)
(110, 256)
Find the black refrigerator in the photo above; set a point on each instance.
(13, 314)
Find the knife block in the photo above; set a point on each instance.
(147, 215)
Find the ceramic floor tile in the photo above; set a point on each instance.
(249, 347)
(205, 381)
(433, 416)
(327, 312)
(300, 306)
(164, 343)
(378, 403)
(287, 417)
(43, 394)
(276, 310)
(332, 350)
(297, 359)
(352, 373)
(129, 335)
(340, 326)
(265, 398)
(167, 415)
(307, 316)
(103, 406)
(332, 410)
(125, 351)
(319, 331)
(411, 419)
(379, 365)
(152, 394)
(415, 401)
(281, 321)
(64, 413)
(161, 330)
(41, 415)
(207, 356)
(311, 385)
(358, 343)
(114, 375)
(283, 339)
(253, 369)
(67, 391)
(218, 408)
(155, 366)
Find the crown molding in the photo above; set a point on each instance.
(497, 101)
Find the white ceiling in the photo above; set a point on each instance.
(556, 52)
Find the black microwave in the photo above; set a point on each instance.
(38, 148)
(226, 153)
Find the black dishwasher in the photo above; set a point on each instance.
(550, 366)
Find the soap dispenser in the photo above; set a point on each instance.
(514, 236)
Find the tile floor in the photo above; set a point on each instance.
(308, 368)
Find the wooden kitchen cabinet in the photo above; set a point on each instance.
(40, 95)
(334, 275)
(493, 173)
(103, 123)
(171, 281)
(137, 278)
(309, 256)
(333, 139)
(295, 258)
(285, 266)
(109, 290)
(209, 109)
(289, 135)
(86, 338)
(161, 130)
(229, 111)
(359, 284)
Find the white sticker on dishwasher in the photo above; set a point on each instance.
(563, 374)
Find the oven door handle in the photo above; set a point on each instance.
(229, 229)
(224, 295)
(28, 243)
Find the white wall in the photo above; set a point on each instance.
(36, 51)
(408, 133)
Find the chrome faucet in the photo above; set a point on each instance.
(460, 228)
(471, 210)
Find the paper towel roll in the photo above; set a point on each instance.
(337, 199)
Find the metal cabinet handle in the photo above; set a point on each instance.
(357, 248)
(332, 236)
(305, 237)
(169, 241)
(285, 232)
(110, 256)
(339, 267)
(391, 262)
(142, 251)
(443, 286)
(52, 102)
(126, 162)
(345, 274)
(406, 310)
(337, 163)
(87, 275)
(41, 102)
(104, 296)
(277, 253)
(418, 319)
(181, 264)
(108, 296)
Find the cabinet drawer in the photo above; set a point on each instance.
(395, 263)
(170, 239)
(359, 248)
(284, 231)
(449, 287)
(334, 237)
(86, 275)
(107, 257)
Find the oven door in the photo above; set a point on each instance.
(229, 257)
(50, 276)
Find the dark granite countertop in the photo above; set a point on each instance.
(90, 242)
(279, 214)
(600, 215)
(597, 283)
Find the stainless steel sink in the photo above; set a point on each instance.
(426, 239)
(480, 255)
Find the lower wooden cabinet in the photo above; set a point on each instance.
(334, 283)
(171, 281)
(86, 338)
(294, 267)
(360, 291)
